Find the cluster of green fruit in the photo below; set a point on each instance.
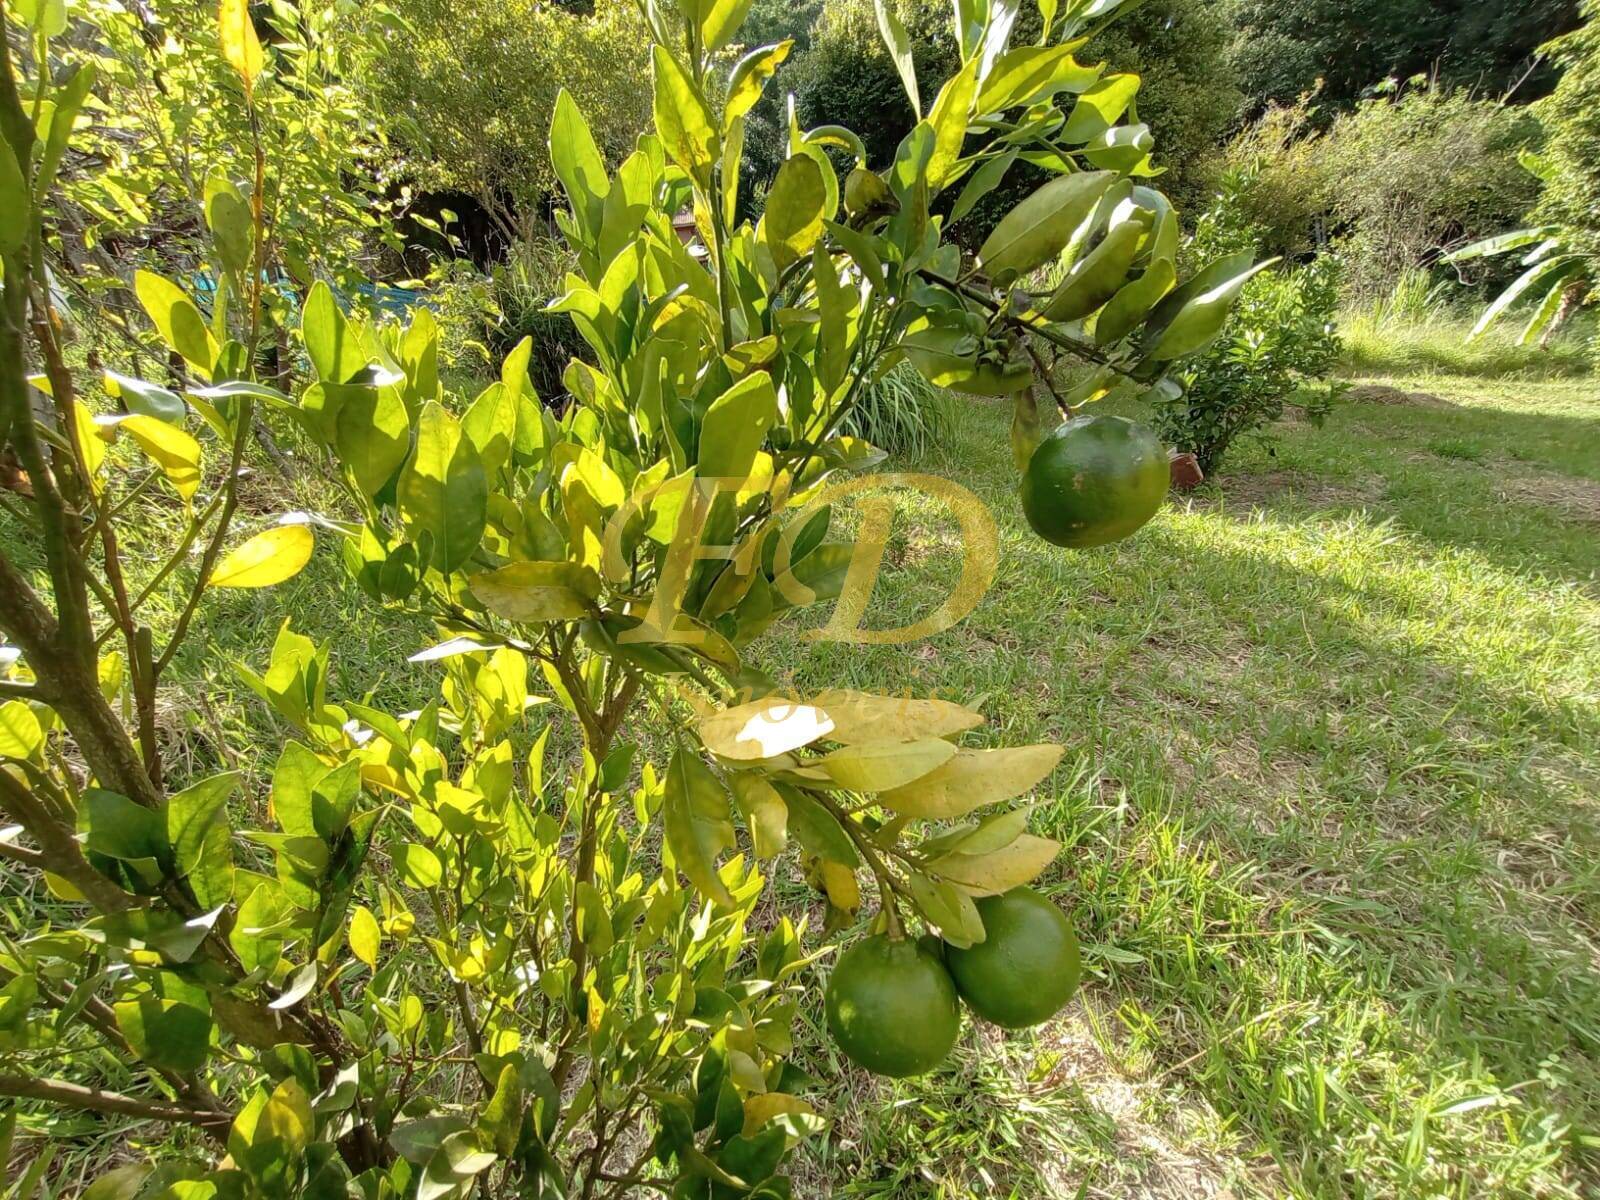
(892, 1003)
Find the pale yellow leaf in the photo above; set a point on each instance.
(763, 729)
(765, 814)
(174, 451)
(865, 717)
(90, 444)
(1000, 871)
(365, 935)
(240, 45)
(266, 559)
(839, 881)
(882, 766)
(758, 1110)
(973, 778)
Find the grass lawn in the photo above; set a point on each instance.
(1330, 803)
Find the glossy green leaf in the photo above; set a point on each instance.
(899, 44)
(682, 119)
(331, 343)
(1037, 229)
(577, 163)
(1134, 301)
(1033, 73)
(443, 490)
(735, 426)
(228, 217)
(197, 829)
(418, 865)
(171, 1034)
(1099, 107)
(372, 435)
(695, 818)
(1099, 275)
(147, 399)
(1198, 323)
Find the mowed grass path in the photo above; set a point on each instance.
(1330, 803)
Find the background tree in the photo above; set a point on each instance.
(1282, 51)
(467, 89)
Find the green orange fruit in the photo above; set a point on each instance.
(1094, 480)
(1027, 965)
(891, 1007)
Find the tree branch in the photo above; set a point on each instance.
(72, 1095)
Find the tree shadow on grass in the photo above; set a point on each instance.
(1427, 827)
(1339, 839)
(1522, 490)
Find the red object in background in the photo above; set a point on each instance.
(1186, 472)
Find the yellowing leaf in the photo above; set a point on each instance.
(365, 935)
(971, 779)
(949, 908)
(881, 766)
(177, 320)
(765, 814)
(174, 451)
(682, 119)
(531, 592)
(20, 731)
(240, 46)
(839, 881)
(266, 559)
(758, 1110)
(90, 444)
(866, 717)
(750, 76)
(999, 871)
(763, 729)
(796, 207)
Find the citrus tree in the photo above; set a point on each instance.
(427, 965)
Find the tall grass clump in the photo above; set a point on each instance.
(902, 413)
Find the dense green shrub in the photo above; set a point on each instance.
(1279, 343)
(521, 289)
(1392, 184)
(468, 88)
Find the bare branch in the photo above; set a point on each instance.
(72, 1095)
